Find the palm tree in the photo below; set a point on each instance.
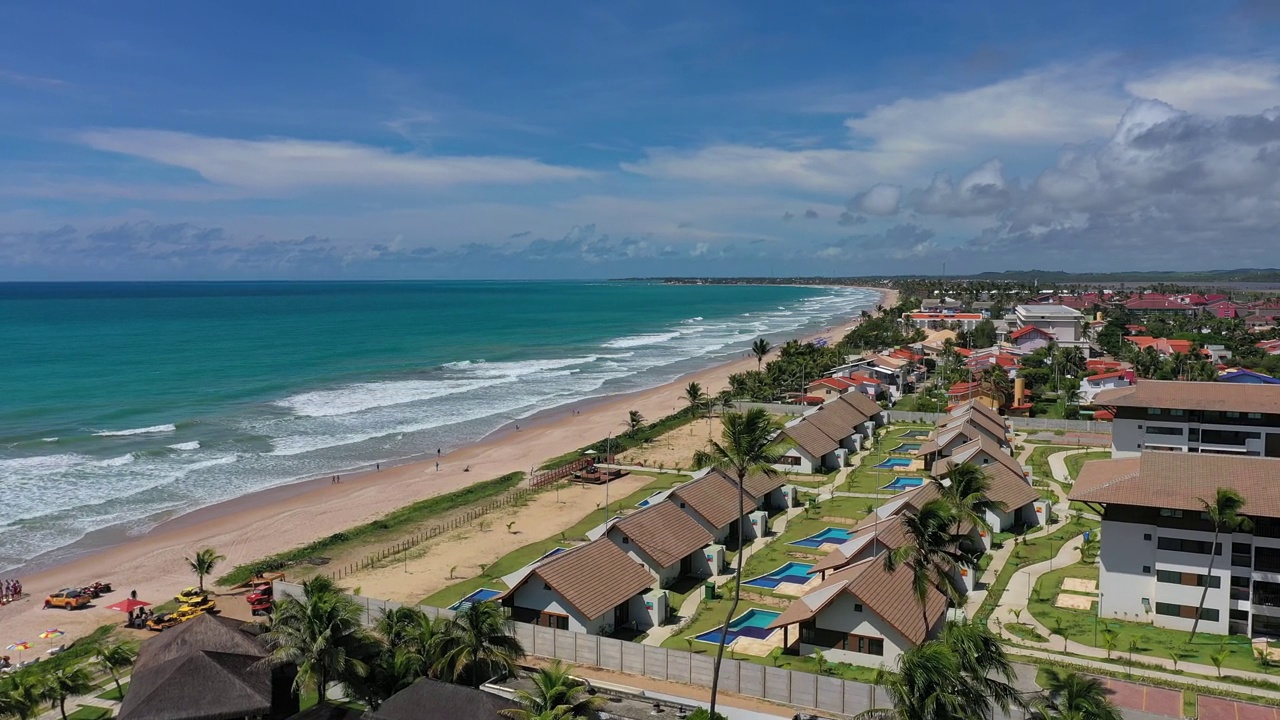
(1069, 696)
(1224, 514)
(21, 695)
(203, 563)
(635, 420)
(477, 645)
(933, 554)
(63, 683)
(320, 634)
(963, 674)
(695, 396)
(760, 348)
(554, 690)
(966, 490)
(113, 658)
(744, 450)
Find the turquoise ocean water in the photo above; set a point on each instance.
(122, 404)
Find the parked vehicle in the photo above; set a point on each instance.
(191, 593)
(69, 598)
(185, 613)
(162, 622)
(262, 607)
(260, 593)
(200, 604)
(97, 589)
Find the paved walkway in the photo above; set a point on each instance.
(1058, 464)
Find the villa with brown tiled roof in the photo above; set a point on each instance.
(766, 489)
(1157, 545)
(590, 588)
(822, 438)
(666, 540)
(712, 500)
(1194, 417)
(862, 614)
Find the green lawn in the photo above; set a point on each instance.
(1147, 639)
(1031, 551)
(1026, 632)
(520, 557)
(868, 479)
(111, 693)
(88, 712)
(1074, 462)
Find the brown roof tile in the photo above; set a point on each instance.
(838, 420)
(810, 439)
(714, 497)
(861, 402)
(888, 532)
(594, 578)
(1175, 480)
(997, 429)
(664, 532)
(1174, 394)
(887, 594)
(978, 407)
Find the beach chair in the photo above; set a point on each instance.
(55, 650)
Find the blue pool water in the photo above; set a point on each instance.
(829, 536)
(480, 595)
(907, 447)
(551, 553)
(893, 464)
(752, 623)
(792, 572)
(904, 483)
(651, 499)
(915, 434)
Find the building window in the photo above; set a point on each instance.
(1241, 554)
(1232, 414)
(1241, 615)
(1153, 411)
(1201, 547)
(1146, 536)
(1254, 416)
(1146, 569)
(1166, 512)
(788, 460)
(626, 540)
(1157, 430)
(1174, 577)
(1177, 413)
(857, 607)
(1186, 611)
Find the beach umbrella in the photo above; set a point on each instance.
(19, 646)
(128, 605)
(51, 634)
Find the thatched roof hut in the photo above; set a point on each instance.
(429, 699)
(203, 669)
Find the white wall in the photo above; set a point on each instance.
(719, 534)
(1130, 437)
(806, 465)
(1121, 582)
(534, 595)
(841, 617)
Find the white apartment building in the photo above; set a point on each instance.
(1195, 417)
(1156, 543)
(1062, 322)
(943, 320)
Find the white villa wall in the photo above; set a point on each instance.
(1129, 436)
(840, 616)
(535, 595)
(807, 462)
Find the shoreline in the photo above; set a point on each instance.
(261, 523)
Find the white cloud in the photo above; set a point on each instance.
(285, 164)
(1214, 87)
(829, 170)
(881, 199)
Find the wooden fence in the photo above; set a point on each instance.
(542, 479)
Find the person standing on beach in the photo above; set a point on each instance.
(437, 466)
(437, 452)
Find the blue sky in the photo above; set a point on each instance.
(280, 140)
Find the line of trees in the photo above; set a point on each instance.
(23, 694)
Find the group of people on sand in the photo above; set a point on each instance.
(10, 590)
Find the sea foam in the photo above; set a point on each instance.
(138, 431)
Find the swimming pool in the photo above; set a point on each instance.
(914, 434)
(481, 595)
(894, 464)
(906, 447)
(752, 624)
(792, 572)
(904, 483)
(551, 553)
(828, 536)
(656, 497)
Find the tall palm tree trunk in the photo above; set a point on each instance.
(1204, 592)
(737, 594)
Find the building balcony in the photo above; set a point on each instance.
(1267, 610)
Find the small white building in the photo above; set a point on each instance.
(1092, 385)
(592, 588)
(712, 500)
(862, 614)
(1063, 322)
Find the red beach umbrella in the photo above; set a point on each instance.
(128, 605)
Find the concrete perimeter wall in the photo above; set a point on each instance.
(790, 687)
